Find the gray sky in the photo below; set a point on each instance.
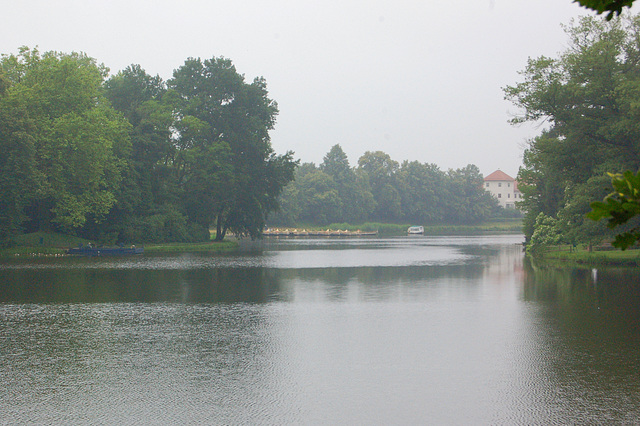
(419, 80)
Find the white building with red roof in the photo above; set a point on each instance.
(504, 188)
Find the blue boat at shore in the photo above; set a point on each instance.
(90, 250)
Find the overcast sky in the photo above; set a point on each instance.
(419, 80)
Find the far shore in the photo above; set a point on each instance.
(50, 244)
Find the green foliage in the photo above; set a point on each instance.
(589, 98)
(547, 232)
(130, 89)
(380, 189)
(611, 7)
(134, 158)
(245, 176)
(67, 142)
(619, 207)
(468, 202)
(572, 218)
(383, 178)
(20, 178)
(355, 198)
(318, 197)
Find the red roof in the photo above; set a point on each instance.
(499, 175)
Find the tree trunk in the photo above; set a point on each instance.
(220, 230)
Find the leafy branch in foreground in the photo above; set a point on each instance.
(620, 206)
(614, 7)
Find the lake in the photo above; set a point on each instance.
(404, 330)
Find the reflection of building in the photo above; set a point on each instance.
(504, 188)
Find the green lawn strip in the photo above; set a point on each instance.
(191, 247)
(41, 244)
(22, 251)
(51, 244)
(583, 256)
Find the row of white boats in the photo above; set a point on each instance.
(278, 232)
(294, 232)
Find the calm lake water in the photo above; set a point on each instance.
(421, 330)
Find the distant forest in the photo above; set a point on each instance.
(133, 158)
(380, 189)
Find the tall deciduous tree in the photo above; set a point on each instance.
(468, 202)
(238, 118)
(76, 143)
(356, 200)
(424, 192)
(588, 96)
(19, 176)
(153, 201)
(382, 172)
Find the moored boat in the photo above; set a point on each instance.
(415, 230)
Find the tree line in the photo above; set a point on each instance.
(132, 157)
(381, 189)
(588, 97)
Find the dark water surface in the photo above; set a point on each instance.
(423, 330)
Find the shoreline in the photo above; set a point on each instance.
(32, 251)
(581, 257)
(47, 244)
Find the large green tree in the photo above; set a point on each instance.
(424, 192)
(319, 198)
(467, 201)
(356, 200)
(19, 176)
(237, 118)
(172, 178)
(383, 178)
(588, 98)
(65, 135)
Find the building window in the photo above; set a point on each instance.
(499, 184)
(487, 184)
(499, 195)
(508, 195)
(509, 185)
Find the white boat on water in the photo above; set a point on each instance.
(415, 230)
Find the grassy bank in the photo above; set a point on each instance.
(581, 256)
(52, 244)
(41, 243)
(191, 247)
